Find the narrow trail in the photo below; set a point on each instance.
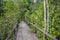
(24, 32)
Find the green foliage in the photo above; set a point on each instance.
(35, 15)
(54, 17)
(34, 12)
(2, 10)
(10, 18)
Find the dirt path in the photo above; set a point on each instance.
(24, 32)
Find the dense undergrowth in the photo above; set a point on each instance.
(37, 18)
(8, 18)
(13, 11)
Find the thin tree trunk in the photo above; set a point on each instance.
(44, 36)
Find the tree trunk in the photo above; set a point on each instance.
(44, 36)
